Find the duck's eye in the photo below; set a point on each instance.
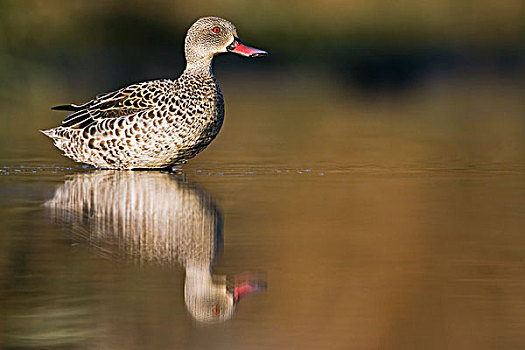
(216, 309)
(216, 30)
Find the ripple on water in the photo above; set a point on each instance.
(7, 170)
(250, 171)
(254, 170)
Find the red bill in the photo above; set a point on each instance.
(239, 48)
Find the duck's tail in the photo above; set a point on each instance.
(69, 107)
(48, 132)
(53, 133)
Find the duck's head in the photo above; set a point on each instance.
(213, 299)
(210, 36)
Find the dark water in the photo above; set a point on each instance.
(392, 223)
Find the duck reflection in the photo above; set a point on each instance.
(155, 217)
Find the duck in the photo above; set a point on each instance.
(159, 123)
(159, 219)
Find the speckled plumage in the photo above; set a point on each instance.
(158, 123)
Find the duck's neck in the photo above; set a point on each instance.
(199, 66)
(199, 281)
(198, 274)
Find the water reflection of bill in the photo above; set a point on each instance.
(159, 218)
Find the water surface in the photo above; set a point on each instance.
(374, 223)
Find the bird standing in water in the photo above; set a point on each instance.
(160, 123)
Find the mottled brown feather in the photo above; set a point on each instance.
(152, 124)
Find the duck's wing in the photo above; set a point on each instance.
(127, 101)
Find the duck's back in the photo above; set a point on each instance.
(153, 124)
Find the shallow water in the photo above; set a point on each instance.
(374, 224)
